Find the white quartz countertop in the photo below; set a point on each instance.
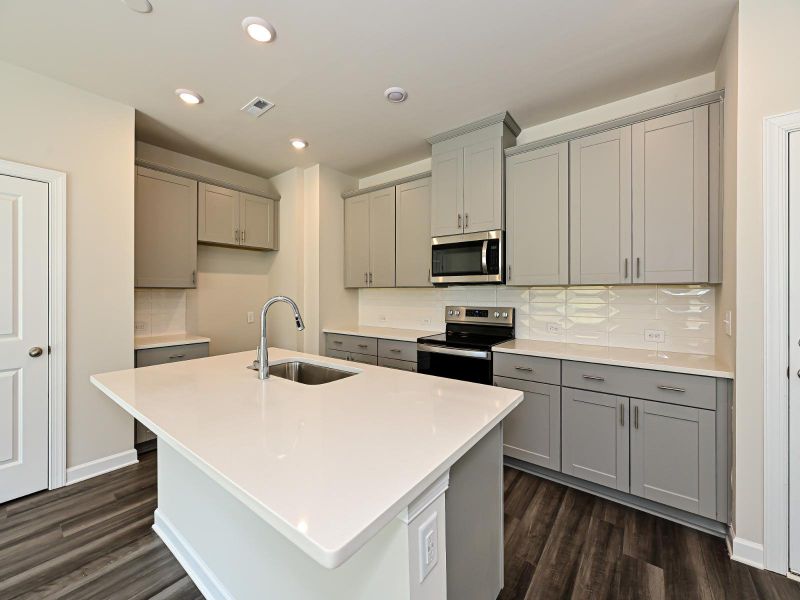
(676, 362)
(384, 333)
(329, 465)
(162, 341)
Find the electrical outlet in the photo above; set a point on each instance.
(428, 546)
(139, 326)
(426, 321)
(251, 317)
(382, 318)
(654, 335)
(554, 328)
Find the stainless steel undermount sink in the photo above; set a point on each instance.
(307, 373)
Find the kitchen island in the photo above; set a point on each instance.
(383, 484)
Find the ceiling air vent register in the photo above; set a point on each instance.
(257, 107)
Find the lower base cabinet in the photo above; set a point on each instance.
(595, 442)
(532, 432)
(673, 456)
(372, 351)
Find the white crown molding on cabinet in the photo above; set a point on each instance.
(57, 306)
(776, 327)
(383, 186)
(503, 117)
(667, 109)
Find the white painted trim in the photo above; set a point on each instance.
(776, 326)
(57, 371)
(195, 567)
(426, 498)
(93, 468)
(747, 552)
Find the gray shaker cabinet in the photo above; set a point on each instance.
(483, 186)
(413, 205)
(166, 230)
(600, 208)
(673, 456)
(595, 437)
(671, 198)
(356, 241)
(537, 223)
(218, 215)
(447, 188)
(532, 432)
(257, 221)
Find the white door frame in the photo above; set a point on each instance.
(776, 339)
(57, 307)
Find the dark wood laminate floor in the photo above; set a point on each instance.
(93, 541)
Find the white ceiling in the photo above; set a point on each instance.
(460, 60)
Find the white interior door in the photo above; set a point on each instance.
(23, 336)
(794, 352)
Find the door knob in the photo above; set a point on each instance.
(35, 352)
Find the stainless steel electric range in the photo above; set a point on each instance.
(464, 351)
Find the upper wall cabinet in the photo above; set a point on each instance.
(468, 176)
(165, 230)
(413, 225)
(644, 201)
(369, 239)
(600, 208)
(670, 198)
(232, 218)
(537, 217)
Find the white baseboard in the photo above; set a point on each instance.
(97, 467)
(194, 566)
(745, 551)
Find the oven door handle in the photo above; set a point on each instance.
(481, 354)
(484, 252)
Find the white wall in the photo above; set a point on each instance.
(49, 124)
(769, 53)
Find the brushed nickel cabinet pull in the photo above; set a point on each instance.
(337, 342)
(594, 377)
(466, 220)
(636, 417)
(362, 346)
(622, 415)
(638, 274)
(395, 350)
(509, 272)
(626, 269)
(370, 277)
(174, 356)
(366, 279)
(244, 232)
(669, 388)
(526, 369)
(459, 220)
(236, 235)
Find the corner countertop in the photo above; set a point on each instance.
(163, 341)
(384, 333)
(676, 362)
(328, 466)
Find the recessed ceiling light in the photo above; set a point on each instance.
(140, 6)
(188, 96)
(258, 29)
(298, 144)
(396, 94)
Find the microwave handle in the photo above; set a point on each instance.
(484, 265)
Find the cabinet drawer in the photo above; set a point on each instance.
(674, 388)
(352, 343)
(169, 354)
(393, 363)
(367, 359)
(340, 354)
(529, 368)
(398, 350)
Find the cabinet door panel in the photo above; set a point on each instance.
(257, 221)
(447, 193)
(166, 230)
(483, 186)
(356, 241)
(414, 234)
(532, 431)
(382, 238)
(670, 198)
(537, 216)
(673, 456)
(595, 443)
(600, 208)
(218, 215)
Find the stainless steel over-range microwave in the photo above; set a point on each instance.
(468, 258)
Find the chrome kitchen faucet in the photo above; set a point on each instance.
(263, 356)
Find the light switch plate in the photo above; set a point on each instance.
(654, 335)
(428, 546)
(728, 322)
(251, 317)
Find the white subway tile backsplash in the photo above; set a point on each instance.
(597, 315)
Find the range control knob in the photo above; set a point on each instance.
(496, 314)
(449, 313)
(458, 313)
(505, 315)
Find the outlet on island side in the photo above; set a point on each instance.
(428, 546)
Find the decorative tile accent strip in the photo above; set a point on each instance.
(599, 315)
